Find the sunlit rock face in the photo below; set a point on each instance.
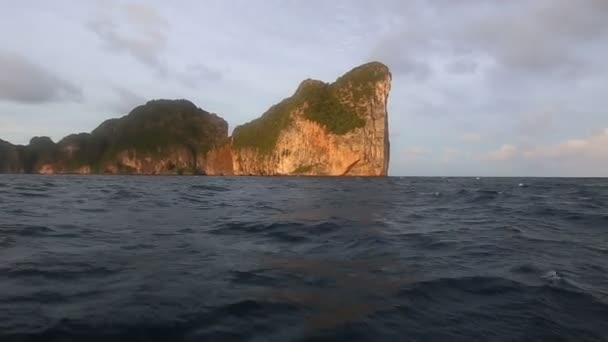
(323, 129)
(335, 129)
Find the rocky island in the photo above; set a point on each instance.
(336, 129)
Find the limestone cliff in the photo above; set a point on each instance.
(160, 137)
(323, 129)
(10, 158)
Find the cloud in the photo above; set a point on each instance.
(405, 49)
(593, 147)
(471, 138)
(140, 31)
(416, 69)
(145, 17)
(462, 66)
(451, 154)
(196, 74)
(522, 38)
(533, 124)
(590, 151)
(505, 152)
(404, 66)
(527, 73)
(414, 153)
(543, 37)
(136, 29)
(125, 100)
(23, 81)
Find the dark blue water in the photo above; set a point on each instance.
(279, 259)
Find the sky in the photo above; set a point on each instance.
(480, 87)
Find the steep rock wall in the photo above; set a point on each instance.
(306, 146)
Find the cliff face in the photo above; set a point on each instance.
(160, 137)
(220, 161)
(323, 129)
(10, 158)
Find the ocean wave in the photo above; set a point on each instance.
(125, 194)
(26, 230)
(211, 188)
(159, 258)
(291, 232)
(59, 274)
(33, 194)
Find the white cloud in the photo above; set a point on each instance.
(505, 152)
(135, 29)
(471, 137)
(451, 154)
(414, 153)
(145, 17)
(594, 147)
(141, 31)
(586, 156)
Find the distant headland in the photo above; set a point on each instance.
(336, 129)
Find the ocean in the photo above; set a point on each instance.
(135, 258)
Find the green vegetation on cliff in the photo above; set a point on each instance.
(80, 150)
(334, 106)
(171, 136)
(153, 131)
(263, 132)
(18, 158)
(361, 80)
(10, 159)
(40, 150)
(325, 107)
(162, 124)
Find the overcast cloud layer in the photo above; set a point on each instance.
(480, 87)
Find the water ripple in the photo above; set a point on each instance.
(279, 259)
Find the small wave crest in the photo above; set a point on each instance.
(58, 273)
(212, 188)
(27, 230)
(283, 231)
(552, 276)
(125, 194)
(31, 194)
